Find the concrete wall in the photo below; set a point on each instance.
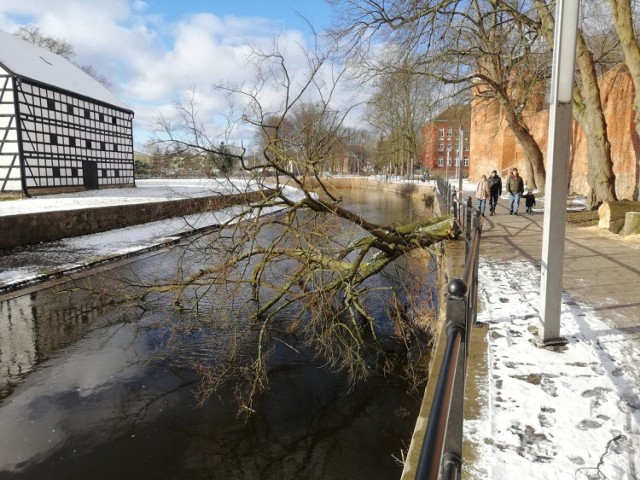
(28, 229)
(417, 189)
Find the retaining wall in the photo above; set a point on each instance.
(417, 189)
(32, 228)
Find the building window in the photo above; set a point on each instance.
(53, 139)
(114, 120)
(88, 144)
(440, 161)
(87, 113)
(70, 109)
(466, 161)
(102, 117)
(56, 172)
(449, 131)
(448, 162)
(115, 147)
(104, 172)
(74, 171)
(457, 162)
(51, 104)
(441, 133)
(441, 147)
(72, 141)
(103, 146)
(116, 173)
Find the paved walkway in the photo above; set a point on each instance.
(601, 270)
(572, 412)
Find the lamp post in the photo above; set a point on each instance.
(460, 157)
(555, 195)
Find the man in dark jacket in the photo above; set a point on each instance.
(515, 187)
(495, 190)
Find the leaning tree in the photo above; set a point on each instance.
(293, 261)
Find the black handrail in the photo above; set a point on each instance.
(441, 451)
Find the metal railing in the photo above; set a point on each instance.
(441, 452)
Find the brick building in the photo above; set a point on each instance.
(494, 146)
(441, 141)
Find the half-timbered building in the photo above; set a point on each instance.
(59, 127)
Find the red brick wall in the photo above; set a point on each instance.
(431, 143)
(494, 146)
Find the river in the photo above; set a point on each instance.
(84, 394)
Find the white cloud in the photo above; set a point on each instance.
(151, 60)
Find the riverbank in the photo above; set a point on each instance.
(88, 391)
(565, 412)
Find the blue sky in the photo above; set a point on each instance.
(157, 51)
(286, 11)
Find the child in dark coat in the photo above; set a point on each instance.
(530, 201)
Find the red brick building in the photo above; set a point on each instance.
(441, 141)
(494, 146)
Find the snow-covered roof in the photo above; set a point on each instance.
(27, 60)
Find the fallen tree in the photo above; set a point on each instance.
(300, 277)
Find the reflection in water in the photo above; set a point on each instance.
(81, 399)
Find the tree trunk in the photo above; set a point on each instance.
(533, 155)
(631, 224)
(587, 110)
(589, 115)
(612, 214)
(623, 23)
(535, 160)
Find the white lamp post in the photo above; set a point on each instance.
(555, 195)
(460, 157)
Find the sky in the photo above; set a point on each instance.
(562, 414)
(155, 52)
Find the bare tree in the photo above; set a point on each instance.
(623, 20)
(473, 45)
(587, 104)
(399, 106)
(59, 46)
(307, 270)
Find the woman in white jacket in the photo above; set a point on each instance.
(482, 194)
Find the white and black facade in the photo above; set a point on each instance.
(59, 128)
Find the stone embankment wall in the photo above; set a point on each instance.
(450, 266)
(29, 229)
(417, 189)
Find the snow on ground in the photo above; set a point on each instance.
(568, 413)
(22, 265)
(156, 190)
(572, 413)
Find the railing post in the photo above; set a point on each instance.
(455, 210)
(473, 292)
(444, 428)
(468, 228)
(457, 320)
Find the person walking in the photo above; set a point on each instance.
(495, 190)
(529, 201)
(515, 187)
(482, 194)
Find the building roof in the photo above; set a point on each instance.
(455, 114)
(26, 60)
